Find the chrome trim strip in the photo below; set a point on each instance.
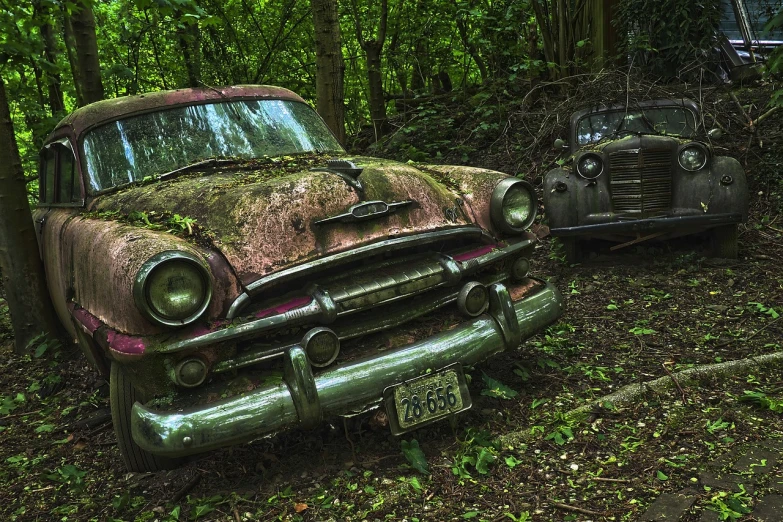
(389, 245)
(342, 388)
(324, 310)
(351, 215)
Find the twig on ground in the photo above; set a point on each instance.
(184, 490)
(606, 479)
(577, 509)
(669, 373)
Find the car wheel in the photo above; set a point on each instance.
(723, 242)
(122, 397)
(571, 249)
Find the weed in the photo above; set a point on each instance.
(730, 506)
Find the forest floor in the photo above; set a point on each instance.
(631, 316)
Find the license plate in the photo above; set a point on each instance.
(426, 399)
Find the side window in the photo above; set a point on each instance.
(48, 166)
(70, 189)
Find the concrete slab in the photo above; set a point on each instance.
(756, 460)
(669, 506)
(728, 482)
(769, 509)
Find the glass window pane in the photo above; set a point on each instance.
(69, 185)
(151, 144)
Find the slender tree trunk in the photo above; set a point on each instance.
(70, 49)
(372, 50)
(471, 48)
(83, 24)
(22, 270)
(375, 78)
(53, 82)
(188, 40)
(329, 66)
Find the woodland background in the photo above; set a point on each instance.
(479, 82)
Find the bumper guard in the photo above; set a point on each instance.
(304, 399)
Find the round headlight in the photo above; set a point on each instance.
(693, 157)
(513, 205)
(590, 166)
(173, 288)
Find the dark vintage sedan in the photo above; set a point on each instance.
(644, 172)
(216, 254)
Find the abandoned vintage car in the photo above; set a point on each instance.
(642, 172)
(215, 253)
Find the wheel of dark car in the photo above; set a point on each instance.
(123, 395)
(571, 249)
(723, 242)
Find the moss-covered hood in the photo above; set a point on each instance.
(264, 219)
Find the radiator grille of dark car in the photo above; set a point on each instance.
(641, 180)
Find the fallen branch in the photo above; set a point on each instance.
(184, 490)
(631, 393)
(577, 509)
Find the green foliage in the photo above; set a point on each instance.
(415, 456)
(497, 389)
(667, 35)
(730, 506)
(762, 400)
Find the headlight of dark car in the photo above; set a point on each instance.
(513, 205)
(173, 288)
(693, 157)
(590, 165)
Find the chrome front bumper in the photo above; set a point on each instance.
(303, 399)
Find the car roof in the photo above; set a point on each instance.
(104, 111)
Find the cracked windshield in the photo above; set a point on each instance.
(152, 144)
(670, 120)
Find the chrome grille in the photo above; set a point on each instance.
(641, 180)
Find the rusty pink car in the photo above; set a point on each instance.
(217, 255)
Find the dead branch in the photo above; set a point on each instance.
(577, 509)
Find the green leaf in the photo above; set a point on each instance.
(415, 457)
(470, 514)
(496, 388)
(484, 460)
(661, 475)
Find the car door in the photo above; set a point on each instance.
(61, 199)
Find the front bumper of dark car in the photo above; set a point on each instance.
(303, 399)
(656, 224)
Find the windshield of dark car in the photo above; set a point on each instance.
(677, 121)
(152, 144)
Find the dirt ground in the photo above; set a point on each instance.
(632, 316)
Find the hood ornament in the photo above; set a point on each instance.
(365, 211)
(346, 169)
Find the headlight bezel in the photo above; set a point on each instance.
(499, 195)
(141, 290)
(586, 155)
(693, 145)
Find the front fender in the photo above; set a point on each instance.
(475, 185)
(107, 255)
(560, 198)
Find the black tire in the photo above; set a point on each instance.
(571, 250)
(723, 242)
(123, 395)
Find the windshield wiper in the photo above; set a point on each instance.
(209, 162)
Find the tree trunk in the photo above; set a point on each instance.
(22, 270)
(372, 50)
(53, 83)
(188, 40)
(83, 24)
(329, 65)
(375, 78)
(70, 49)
